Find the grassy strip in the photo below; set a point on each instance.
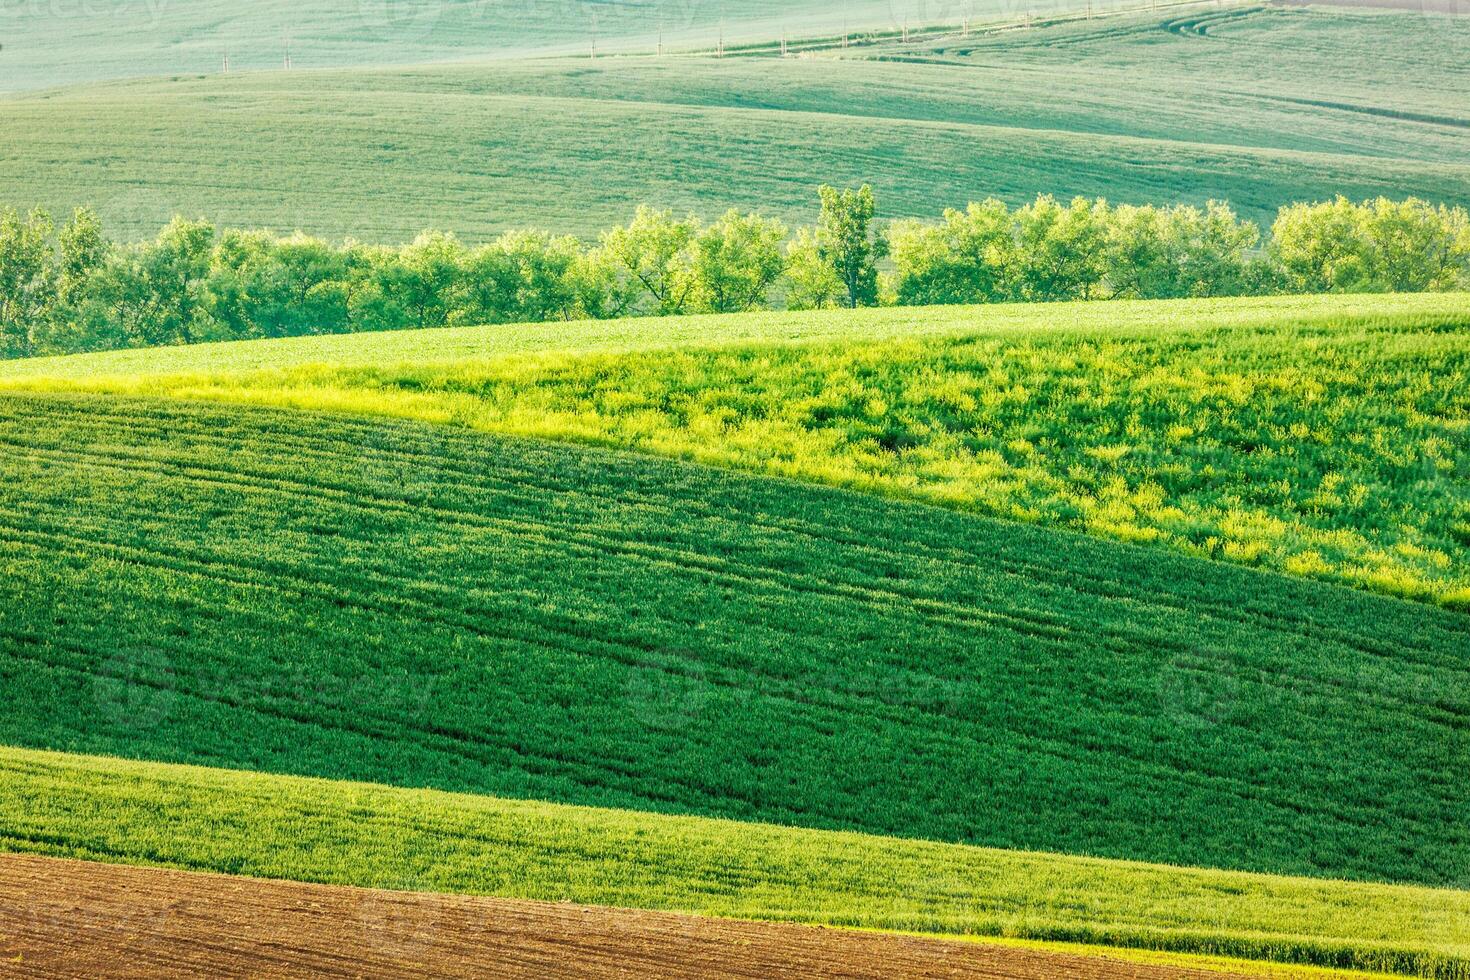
(1233, 965)
(409, 604)
(312, 830)
(68, 45)
(142, 370)
(1325, 438)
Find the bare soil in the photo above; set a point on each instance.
(61, 918)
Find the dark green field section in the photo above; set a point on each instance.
(424, 607)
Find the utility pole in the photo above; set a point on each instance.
(225, 67)
(286, 65)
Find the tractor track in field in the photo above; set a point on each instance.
(66, 918)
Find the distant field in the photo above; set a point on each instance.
(1323, 436)
(58, 42)
(1273, 105)
(417, 605)
(312, 830)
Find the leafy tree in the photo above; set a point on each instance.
(264, 286)
(1061, 251)
(1139, 253)
(1213, 249)
(1375, 246)
(490, 289)
(27, 273)
(1159, 253)
(656, 251)
(965, 259)
(1323, 247)
(413, 287)
(735, 262)
(153, 293)
(845, 241)
(83, 250)
(1416, 246)
(545, 265)
(603, 287)
(523, 276)
(812, 281)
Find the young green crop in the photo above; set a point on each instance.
(64, 42)
(1301, 104)
(313, 830)
(429, 607)
(1322, 437)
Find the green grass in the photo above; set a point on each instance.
(312, 830)
(422, 606)
(1327, 437)
(1276, 109)
(49, 44)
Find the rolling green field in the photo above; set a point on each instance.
(1136, 624)
(313, 830)
(47, 44)
(416, 605)
(1275, 106)
(1324, 437)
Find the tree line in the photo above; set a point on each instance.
(69, 288)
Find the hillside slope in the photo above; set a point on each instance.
(65, 42)
(1325, 436)
(71, 918)
(418, 840)
(415, 605)
(1137, 113)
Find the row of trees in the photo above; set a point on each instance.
(70, 289)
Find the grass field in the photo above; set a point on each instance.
(1290, 434)
(49, 44)
(1140, 625)
(313, 830)
(1273, 107)
(410, 604)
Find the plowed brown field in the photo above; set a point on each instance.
(63, 918)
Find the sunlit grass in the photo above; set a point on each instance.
(357, 834)
(1326, 437)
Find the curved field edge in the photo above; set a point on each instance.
(1328, 439)
(448, 345)
(1129, 111)
(393, 602)
(1232, 965)
(422, 840)
(69, 917)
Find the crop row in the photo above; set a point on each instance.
(315, 830)
(1297, 437)
(426, 607)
